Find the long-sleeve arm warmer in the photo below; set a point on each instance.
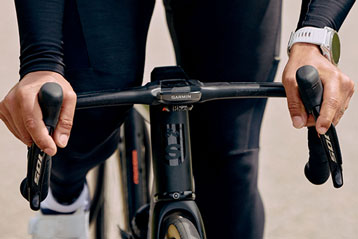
(40, 27)
(321, 13)
(41, 24)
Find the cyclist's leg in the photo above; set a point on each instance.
(104, 48)
(226, 175)
(94, 65)
(227, 41)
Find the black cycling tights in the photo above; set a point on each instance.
(214, 41)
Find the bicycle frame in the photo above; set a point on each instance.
(174, 189)
(172, 166)
(170, 98)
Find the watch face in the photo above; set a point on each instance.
(336, 48)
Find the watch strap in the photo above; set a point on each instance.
(311, 35)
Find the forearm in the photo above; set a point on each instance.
(40, 28)
(321, 13)
(338, 87)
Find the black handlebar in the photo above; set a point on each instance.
(326, 155)
(181, 90)
(35, 186)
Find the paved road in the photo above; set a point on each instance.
(294, 208)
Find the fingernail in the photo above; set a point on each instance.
(322, 130)
(297, 122)
(63, 139)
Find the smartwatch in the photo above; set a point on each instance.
(326, 38)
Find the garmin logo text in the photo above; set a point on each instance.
(180, 97)
(38, 168)
(330, 148)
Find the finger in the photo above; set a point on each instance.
(339, 114)
(330, 106)
(32, 119)
(24, 135)
(310, 121)
(295, 105)
(10, 126)
(5, 116)
(337, 117)
(349, 96)
(65, 122)
(11, 112)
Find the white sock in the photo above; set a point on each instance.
(81, 202)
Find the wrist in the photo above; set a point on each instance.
(44, 74)
(304, 48)
(325, 38)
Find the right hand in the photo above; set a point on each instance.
(338, 88)
(21, 112)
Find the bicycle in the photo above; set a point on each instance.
(171, 95)
(133, 159)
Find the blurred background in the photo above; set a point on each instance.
(294, 207)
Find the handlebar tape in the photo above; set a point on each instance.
(326, 156)
(34, 187)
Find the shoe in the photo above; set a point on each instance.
(57, 221)
(60, 226)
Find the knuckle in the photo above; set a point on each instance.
(9, 100)
(22, 93)
(325, 121)
(339, 114)
(338, 117)
(346, 81)
(294, 106)
(30, 123)
(352, 86)
(70, 95)
(336, 74)
(27, 140)
(335, 121)
(288, 80)
(349, 84)
(332, 103)
(65, 123)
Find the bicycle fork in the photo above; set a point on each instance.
(173, 187)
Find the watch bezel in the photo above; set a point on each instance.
(336, 48)
(331, 49)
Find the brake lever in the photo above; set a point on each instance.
(34, 187)
(311, 91)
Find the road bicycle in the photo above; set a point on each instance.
(170, 211)
(133, 159)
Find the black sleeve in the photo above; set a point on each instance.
(40, 29)
(321, 13)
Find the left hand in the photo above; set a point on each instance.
(337, 88)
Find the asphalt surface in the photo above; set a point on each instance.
(294, 207)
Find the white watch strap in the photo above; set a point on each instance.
(311, 35)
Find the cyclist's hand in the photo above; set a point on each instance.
(21, 112)
(338, 88)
